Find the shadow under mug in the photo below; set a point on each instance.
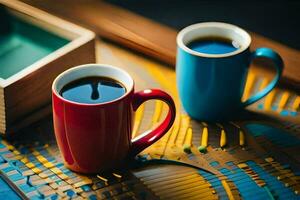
(211, 85)
(94, 137)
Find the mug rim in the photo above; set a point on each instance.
(234, 28)
(129, 87)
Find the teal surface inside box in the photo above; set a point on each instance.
(35, 47)
(22, 44)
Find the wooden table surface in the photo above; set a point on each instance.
(147, 36)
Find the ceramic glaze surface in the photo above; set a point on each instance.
(95, 137)
(211, 85)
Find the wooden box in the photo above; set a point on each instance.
(34, 48)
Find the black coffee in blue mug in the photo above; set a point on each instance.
(212, 64)
(214, 45)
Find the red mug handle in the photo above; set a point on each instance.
(147, 138)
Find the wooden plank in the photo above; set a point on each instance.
(147, 36)
(116, 24)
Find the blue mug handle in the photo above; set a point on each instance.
(278, 64)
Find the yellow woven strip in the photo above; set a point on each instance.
(188, 137)
(242, 165)
(24, 160)
(223, 140)
(42, 159)
(188, 140)
(249, 85)
(117, 175)
(185, 122)
(56, 170)
(175, 130)
(138, 119)
(165, 140)
(157, 112)
(284, 98)
(296, 104)
(102, 178)
(82, 183)
(30, 165)
(269, 100)
(242, 138)
(227, 190)
(36, 170)
(204, 137)
(263, 84)
(48, 164)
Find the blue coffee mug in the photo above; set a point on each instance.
(211, 85)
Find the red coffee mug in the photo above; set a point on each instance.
(95, 137)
